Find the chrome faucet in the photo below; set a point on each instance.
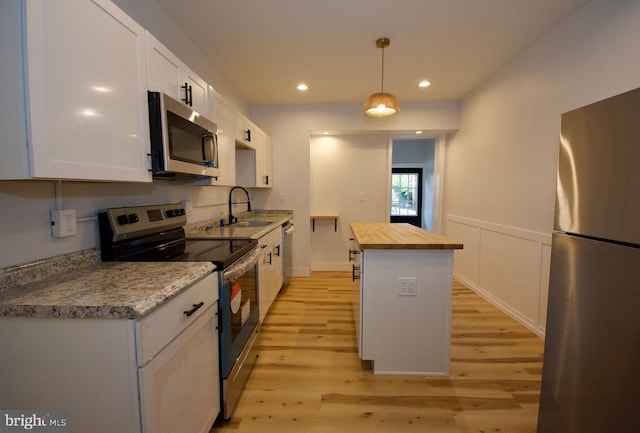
(248, 202)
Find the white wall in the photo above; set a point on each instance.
(342, 168)
(499, 195)
(25, 232)
(290, 129)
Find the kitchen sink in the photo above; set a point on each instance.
(252, 223)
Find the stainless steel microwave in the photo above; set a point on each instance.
(183, 143)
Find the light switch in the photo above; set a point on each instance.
(361, 196)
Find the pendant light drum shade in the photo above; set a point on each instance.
(382, 104)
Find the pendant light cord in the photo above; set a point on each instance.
(382, 86)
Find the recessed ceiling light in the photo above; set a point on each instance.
(424, 83)
(302, 87)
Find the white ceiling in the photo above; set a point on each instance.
(266, 47)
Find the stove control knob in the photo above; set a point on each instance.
(122, 220)
(170, 213)
(133, 218)
(181, 211)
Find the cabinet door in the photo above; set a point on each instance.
(278, 265)
(263, 281)
(223, 116)
(264, 161)
(242, 130)
(197, 89)
(87, 92)
(180, 387)
(167, 74)
(163, 68)
(254, 164)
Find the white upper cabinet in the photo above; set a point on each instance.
(168, 74)
(163, 69)
(245, 131)
(264, 162)
(195, 91)
(222, 114)
(253, 155)
(74, 102)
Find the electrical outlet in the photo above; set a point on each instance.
(63, 222)
(187, 205)
(283, 198)
(407, 286)
(361, 196)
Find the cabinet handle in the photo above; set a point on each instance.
(188, 94)
(278, 251)
(266, 180)
(194, 309)
(353, 273)
(270, 257)
(247, 135)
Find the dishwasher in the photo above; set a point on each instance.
(287, 246)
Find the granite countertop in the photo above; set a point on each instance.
(94, 289)
(211, 229)
(387, 236)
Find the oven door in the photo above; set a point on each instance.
(239, 313)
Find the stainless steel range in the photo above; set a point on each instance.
(156, 233)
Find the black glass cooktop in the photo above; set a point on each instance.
(221, 253)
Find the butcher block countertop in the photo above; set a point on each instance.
(388, 236)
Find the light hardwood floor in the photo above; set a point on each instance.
(308, 377)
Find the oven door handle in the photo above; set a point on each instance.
(241, 266)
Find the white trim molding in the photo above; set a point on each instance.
(507, 266)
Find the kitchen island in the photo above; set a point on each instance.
(402, 302)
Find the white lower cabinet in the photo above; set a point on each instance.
(156, 374)
(270, 270)
(178, 362)
(74, 92)
(173, 385)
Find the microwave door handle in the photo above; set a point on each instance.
(209, 148)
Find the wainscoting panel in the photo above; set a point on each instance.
(507, 266)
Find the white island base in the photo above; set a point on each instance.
(403, 310)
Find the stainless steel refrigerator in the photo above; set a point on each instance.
(591, 368)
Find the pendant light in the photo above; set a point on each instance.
(382, 104)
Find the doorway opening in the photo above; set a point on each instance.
(406, 196)
(414, 181)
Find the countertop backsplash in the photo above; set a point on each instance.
(30, 272)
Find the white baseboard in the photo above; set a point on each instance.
(524, 321)
(332, 266)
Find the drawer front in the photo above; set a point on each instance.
(159, 328)
(271, 238)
